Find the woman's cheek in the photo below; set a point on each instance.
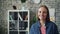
(45, 16)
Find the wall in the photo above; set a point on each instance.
(6, 5)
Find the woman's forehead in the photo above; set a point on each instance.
(42, 9)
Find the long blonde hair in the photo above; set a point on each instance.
(47, 17)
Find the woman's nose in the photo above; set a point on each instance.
(41, 13)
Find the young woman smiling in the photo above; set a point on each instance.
(43, 25)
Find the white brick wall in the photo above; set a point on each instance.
(7, 5)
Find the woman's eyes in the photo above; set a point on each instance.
(42, 12)
(39, 11)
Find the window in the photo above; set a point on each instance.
(18, 21)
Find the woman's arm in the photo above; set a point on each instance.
(55, 29)
(32, 30)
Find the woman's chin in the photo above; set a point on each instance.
(41, 19)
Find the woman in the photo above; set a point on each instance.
(43, 25)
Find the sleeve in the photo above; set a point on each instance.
(55, 29)
(32, 30)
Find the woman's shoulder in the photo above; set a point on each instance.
(35, 24)
(52, 23)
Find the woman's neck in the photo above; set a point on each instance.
(42, 22)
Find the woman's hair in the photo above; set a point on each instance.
(47, 17)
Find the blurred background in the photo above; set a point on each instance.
(32, 6)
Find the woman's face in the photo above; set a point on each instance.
(42, 13)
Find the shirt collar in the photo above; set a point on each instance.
(38, 23)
